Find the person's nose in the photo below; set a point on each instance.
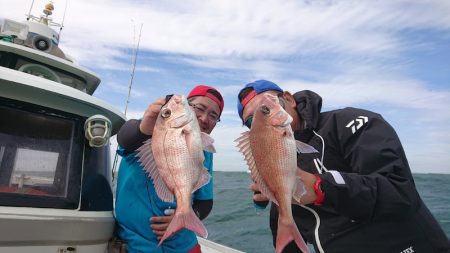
(203, 117)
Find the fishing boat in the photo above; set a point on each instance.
(55, 157)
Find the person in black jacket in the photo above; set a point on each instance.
(360, 193)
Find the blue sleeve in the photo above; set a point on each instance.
(206, 192)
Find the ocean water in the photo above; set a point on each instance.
(236, 223)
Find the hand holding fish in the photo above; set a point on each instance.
(308, 197)
(160, 223)
(258, 196)
(308, 181)
(150, 116)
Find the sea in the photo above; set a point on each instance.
(236, 223)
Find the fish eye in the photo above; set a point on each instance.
(265, 110)
(165, 113)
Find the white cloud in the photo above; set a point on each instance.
(351, 52)
(135, 114)
(227, 157)
(242, 29)
(399, 93)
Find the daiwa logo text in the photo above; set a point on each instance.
(408, 250)
(357, 123)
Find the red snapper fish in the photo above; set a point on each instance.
(270, 151)
(173, 158)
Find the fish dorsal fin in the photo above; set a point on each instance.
(207, 143)
(245, 148)
(203, 179)
(303, 148)
(299, 190)
(148, 163)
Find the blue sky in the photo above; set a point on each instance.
(391, 57)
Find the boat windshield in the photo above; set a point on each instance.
(38, 165)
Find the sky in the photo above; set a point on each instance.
(390, 57)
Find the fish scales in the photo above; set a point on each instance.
(275, 156)
(173, 158)
(270, 150)
(180, 171)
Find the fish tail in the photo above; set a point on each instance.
(286, 233)
(185, 220)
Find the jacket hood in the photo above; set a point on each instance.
(309, 105)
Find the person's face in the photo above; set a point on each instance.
(249, 109)
(288, 104)
(207, 111)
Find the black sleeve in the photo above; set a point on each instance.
(130, 137)
(378, 183)
(202, 208)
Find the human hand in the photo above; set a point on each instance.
(150, 115)
(160, 223)
(308, 180)
(260, 200)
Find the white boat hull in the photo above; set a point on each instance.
(54, 230)
(212, 247)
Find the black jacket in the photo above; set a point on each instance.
(371, 202)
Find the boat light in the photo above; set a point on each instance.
(97, 130)
(13, 28)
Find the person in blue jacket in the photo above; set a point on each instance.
(360, 192)
(142, 217)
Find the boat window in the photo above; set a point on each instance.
(34, 168)
(40, 158)
(20, 63)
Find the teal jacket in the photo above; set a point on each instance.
(137, 202)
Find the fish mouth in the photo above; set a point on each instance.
(281, 119)
(286, 123)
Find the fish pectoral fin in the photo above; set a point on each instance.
(145, 156)
(207, 143)
(204, 179)
(299, 190)
(303, 148)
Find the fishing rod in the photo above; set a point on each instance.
(130, 84)
(132, 71)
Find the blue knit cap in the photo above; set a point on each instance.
(258, 87)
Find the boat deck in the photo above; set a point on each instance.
(212, 247)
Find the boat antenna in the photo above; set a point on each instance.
(29, 13)
(130, 84)
(62, 23)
